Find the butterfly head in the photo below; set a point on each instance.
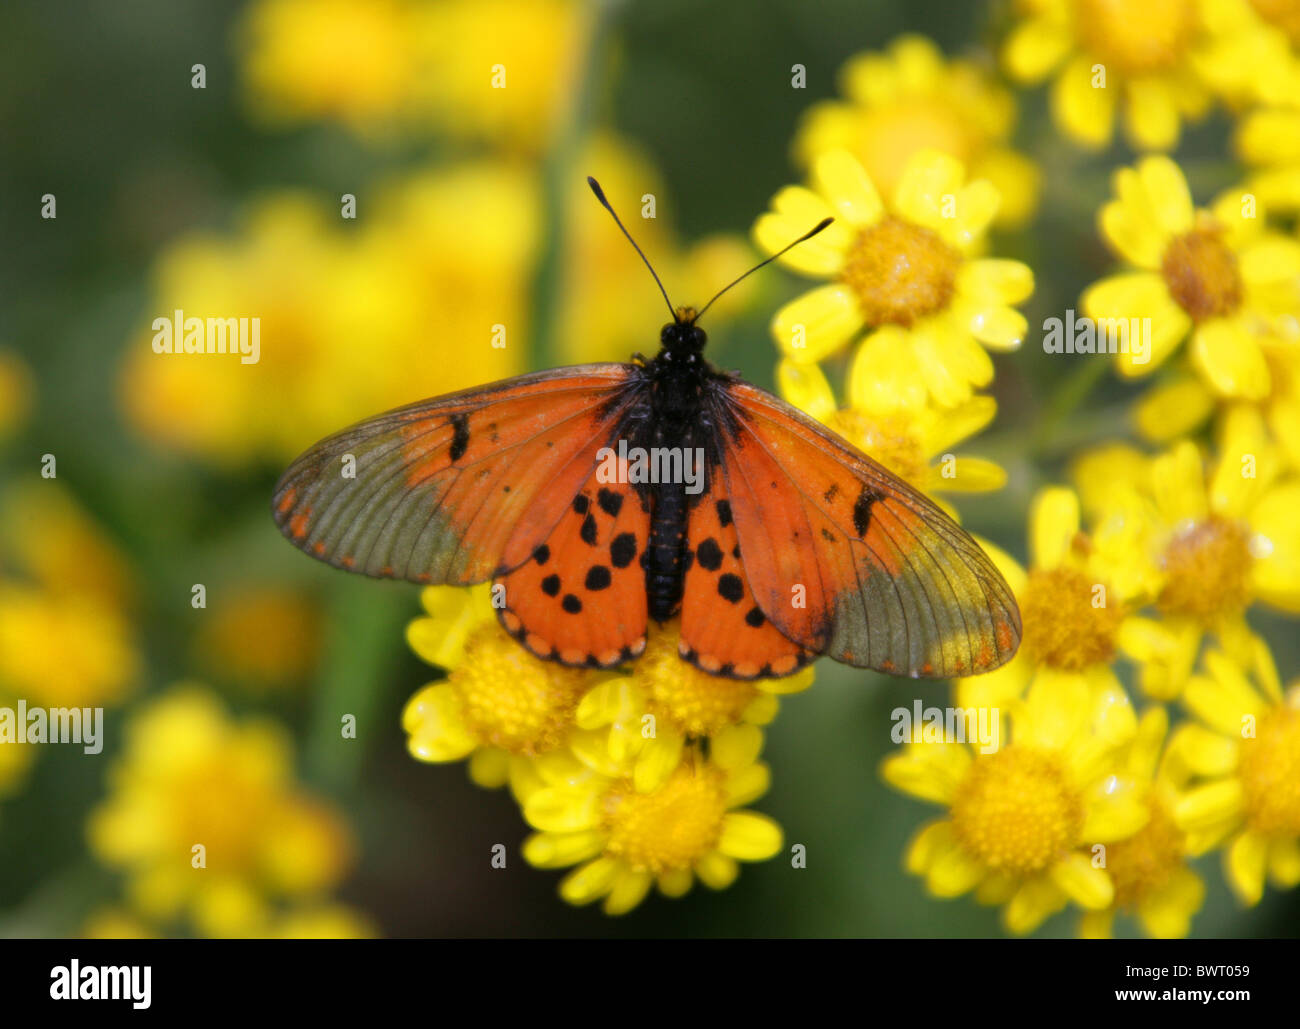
(682, 335)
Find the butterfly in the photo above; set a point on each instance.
(598, 497)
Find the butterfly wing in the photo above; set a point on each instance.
(847, 560)
(581, 598)
(723, 630)
(459, 488)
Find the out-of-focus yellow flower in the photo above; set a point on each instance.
(1246, 56)
(890, 417)
(903, 270)
(322, 922)
(65, 633)
(500, 704)
(1076, 600)
(1212, 544)
(908, 98)
(16, 391)
(191, 778)
(348, 326)
(1138, 53)
(645, 718)
(497, 70)
(1268, 141)
(609, 306)
(1149, 869)
(1246, 751)
(353, 60)
(263, 637)
(589, 812)
(1022, 820)
(1218, 277)
(116, 923)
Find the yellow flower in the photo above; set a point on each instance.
(590, 813)
(344, 319)
(353, 60)
(1210, 545)
(1023, 820)
(116, 923)
(1247, 54)
(1268, 141)
(908, 99)
(205, 819)
(1139, 53)
(321, 922)
(496, 70)
(1218, 277)
(1075, 600)
(499, 705)
(890, 417)
(902, 270)
(1246, 753)
(646, 717)
(1149, 869)
(66, 637)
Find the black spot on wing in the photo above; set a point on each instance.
(598, 578)
(551, 585)
(622, 550)
(755, 617)
(588, 530)
(862, 510)
(709, 555)
(571, 604)
(459, 436)
(724, 512)
(731, 588)
(581, 503)
(610, 502)
(542, 554)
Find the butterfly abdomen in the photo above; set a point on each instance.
(666, 553)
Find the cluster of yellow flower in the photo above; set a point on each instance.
(1155, 559)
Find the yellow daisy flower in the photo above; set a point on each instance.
(1218, 277)
(261, 636)
(1076, 599)
(1267, 140)
(590, 813)
(904, 269)
(647, 717)
(890, 417)
(1246, 752)
(1024, 821)
(1149, 869)
(499, 705)
(204, 818)
(1135, 53)
(1211, 545)
(908, 98)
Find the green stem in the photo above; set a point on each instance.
(1065, 400)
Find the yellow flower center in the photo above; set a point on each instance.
(1202, 274)
(1143, 863)
(1285, 14)
(670, 828)
(889, 440)
(690, 701)
(900, 272)
(1068, 622)
(1137, 37)
(1208, 571)
(1270, 774)
(1016, 811)
(512, 700)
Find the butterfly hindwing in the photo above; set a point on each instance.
(455, 489)
(849, 561)
(723, 630)
(581, 597)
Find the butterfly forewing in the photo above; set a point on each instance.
(459, 488)
(847, 560)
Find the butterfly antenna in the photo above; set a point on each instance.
(806, 236)
(600, 195)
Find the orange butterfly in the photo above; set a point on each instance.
(603, 495)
